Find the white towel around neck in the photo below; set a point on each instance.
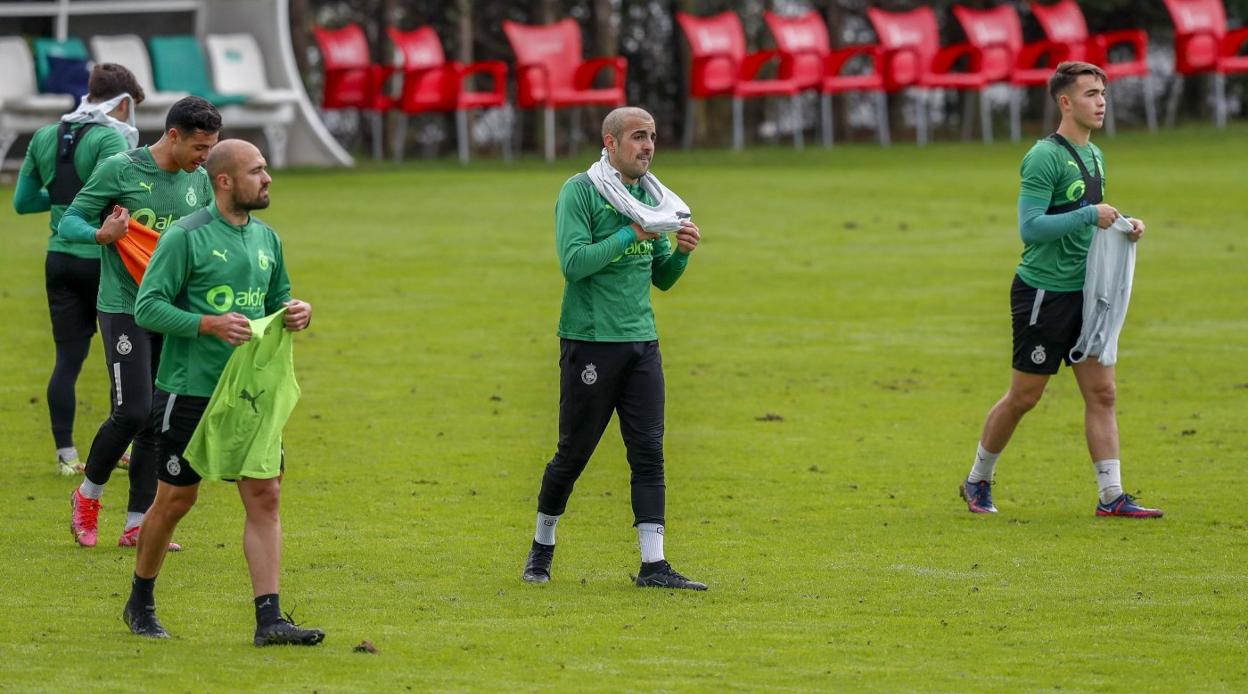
(88, 112)
(666, 215)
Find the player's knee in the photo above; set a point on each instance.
(132, 417)
(1102, 396)
(264, 499)
(176, 503)
(1024, 400)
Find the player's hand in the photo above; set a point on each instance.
(642, 234)
(1105, 215)
(687, 237)
(1137, 230)
(298, 315)
(234, 328)
(115, 226)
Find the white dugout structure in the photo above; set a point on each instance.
(249, 49)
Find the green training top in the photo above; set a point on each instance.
(240, 434)
(606, 297)
(203, 265)
(156, 199)
(39, 166)
(1051, 177)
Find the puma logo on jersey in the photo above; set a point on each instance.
(146, 186)
(251, 399)
(221, 255)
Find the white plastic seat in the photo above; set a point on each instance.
(238, 67)
(22, 108)
(130, 51)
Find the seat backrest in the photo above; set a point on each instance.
(237, 64)
(127, 50)
(554, 47)
(915, 31)
(1199, 26)
(178, 65)
(718, 35)
(419, 49)
(998, 34)
(45, 48)
(19, 68)
(343, 49)
(1063, 22)
(804, 41)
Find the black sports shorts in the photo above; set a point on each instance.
(1046, 326)
(72, 285)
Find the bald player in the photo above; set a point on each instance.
(221, 245)
(609, 359)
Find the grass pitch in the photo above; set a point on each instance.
(830, 355)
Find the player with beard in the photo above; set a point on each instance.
(187, 294)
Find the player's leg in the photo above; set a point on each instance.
(262, 545)
(641, 412)
(71, 285)
(1100, 420)
(128, 353)
(176, 492)
(1036, 317)
(144, 460)
(588, 387)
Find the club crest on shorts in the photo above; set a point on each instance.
(590, 375)
(173, 466)
(1038, 356)
(123, 345)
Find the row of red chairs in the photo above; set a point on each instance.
(552, 74)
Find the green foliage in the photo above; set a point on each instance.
(857, 295)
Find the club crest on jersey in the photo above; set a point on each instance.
(191, 199)
(590, 375)
(173, 466)
(123, 345)
(1038, 356)
(264, 259)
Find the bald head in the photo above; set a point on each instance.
(227, 156)
(618, 120)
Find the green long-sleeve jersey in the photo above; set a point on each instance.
(156, 199)
(204, 265)
(1056, 261)
(608, 272)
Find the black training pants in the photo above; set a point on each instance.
(132, 354)
(596, 379)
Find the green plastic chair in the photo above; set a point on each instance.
(178, 66)
(45, 48)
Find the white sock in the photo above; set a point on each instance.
(67, 454)
(133, 518)
(985, 464)
(90, 490)
(1109, 479)
(545, 529)
(650, 537)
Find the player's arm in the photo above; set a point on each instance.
(90, 203)
(298, 313)
(668, 264)
(579, 256)
(30, 196)
(166, 277)
(1041, 172)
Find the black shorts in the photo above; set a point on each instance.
(176, 418)
(72, 285)
(1046, 326)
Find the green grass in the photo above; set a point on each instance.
(859, 294)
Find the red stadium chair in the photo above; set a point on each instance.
(432, 84)
(807, 59)
(352, 80)
(1063, 22)
(998, 34)
(1202, 44)
(719, 66)
(911, 57)
(551, 73)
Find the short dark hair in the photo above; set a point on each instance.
(109, 80)
(193, 113)
(1067, 73)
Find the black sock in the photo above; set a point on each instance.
(142, 591)
(267, 610)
